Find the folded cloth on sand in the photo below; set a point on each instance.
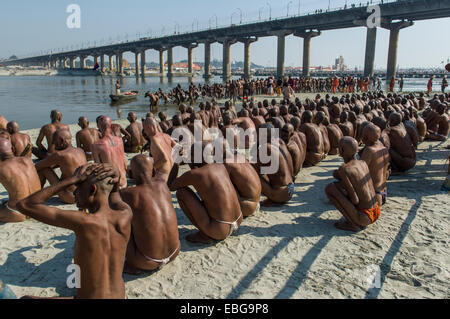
(383, 196)
(373, 213)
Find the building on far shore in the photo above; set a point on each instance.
(339, 64)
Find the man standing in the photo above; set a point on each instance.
(430, 85)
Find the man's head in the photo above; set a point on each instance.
(320, 116)
(307, 117)
(286, 132)
(395, 119)
(348, 147)
(141, 169)
(83, 122)
(151, 127)
(62, 139)
(5, 149)
(104, 124)
(56, 116)
(12, 127)
(370, 134)
(132, 117)
(162, 116)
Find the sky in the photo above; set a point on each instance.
(29, 26)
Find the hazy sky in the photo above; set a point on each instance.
(34, 26)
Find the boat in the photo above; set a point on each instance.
(127, 96)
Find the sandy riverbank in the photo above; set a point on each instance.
(291, 251)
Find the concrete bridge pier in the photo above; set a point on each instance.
(307, 36)
(83, 62)
(169, 62)
(161, 61)
(102, 62)
(247, 64)
(137, 56)
(207, 74)
(281, 50)
(226, 66)
(190, 47)
(142, 66)
(371, 41)
(72, 63)
(393, 47)
(119, 62)
(111, 62)
(95, 59)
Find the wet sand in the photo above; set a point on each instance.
(291, 251)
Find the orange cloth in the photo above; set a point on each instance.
(373, 213)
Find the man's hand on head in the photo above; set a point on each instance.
(104, 171)
(83, 172)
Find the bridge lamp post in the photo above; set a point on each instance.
(299, 5)
(260, 11)
(193, 23)
(290, 2)
(240, 11)
(270, 11)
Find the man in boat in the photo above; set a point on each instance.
(21, 142)
(86, 137)
(118, 88)
(47, 131)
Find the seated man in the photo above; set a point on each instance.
(154, 227)
(318, 120)
(376, 155)
(346, 126)
(440, 125)
(353, 195)
(217, 214)
(164, 123)
(20, 179)
(101, 235)
(3, 122)
(278, 186)
(314, 140)
(67, 157)
(136, 141)
(47, 131)
(287, 135)
(109, 149)
(244, 178)
(21, 142)
(402, 151)
(247, 125)
(334, 136)
(87, 137)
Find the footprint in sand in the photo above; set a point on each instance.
(423, 270)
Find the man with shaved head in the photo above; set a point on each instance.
(318, 120)
(87, 137)
(102, 227)
(402, 150)
(298, 157)
(109, 149)
(20, 179)
(354, 194)
(67, 158)
(21, 142)
(376, 155)
(248, 126)
(47, 131)
(154, 240)
(334, 136)
(136, 141)
(3, 122)
(161, 146)
(314, 140)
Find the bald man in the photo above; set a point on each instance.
(354, 194)
(67, 158)
(248, 126)
(87, 137)
(20, 179)
(314, 140)
(334, 136)
(109, 149)
(376, 155)
(136, 141)
(102, 227)
(160, 148)
(402, 150)
(47, 131)
(21, 142)
(287, 135)
(318, 120)
(154, 240)
(3, 122)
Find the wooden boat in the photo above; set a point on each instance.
(127, 96)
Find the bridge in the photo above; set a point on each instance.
(394, 17)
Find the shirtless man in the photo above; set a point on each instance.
(21, 142)
(334, 136)
(160, 148)
(402, 151)
(3, 122)
(257, 118)
(278, 187)
(164, 123)
(346, 126)
(245, 180)
(67, 158)
(216, 214)
(86, 137)
(354, 194)
(109, 149)
(318, 120)
(47, 131)
(101, 235)
(119, 131)
(376, 155)
(247, 125)
(136, 141)
(314, 140)
(287, 134)
(20, 179)
(154, 227)
(440, 127)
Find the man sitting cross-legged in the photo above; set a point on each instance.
(20, 179)
(154, 240)
(354, 194)
(102, 227)
(87, 137)
(67, 158)
(217, 213)
(21, 142)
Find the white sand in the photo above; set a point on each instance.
(288, 252)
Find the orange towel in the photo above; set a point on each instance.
(373, 213)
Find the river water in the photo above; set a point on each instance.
(29, 99)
